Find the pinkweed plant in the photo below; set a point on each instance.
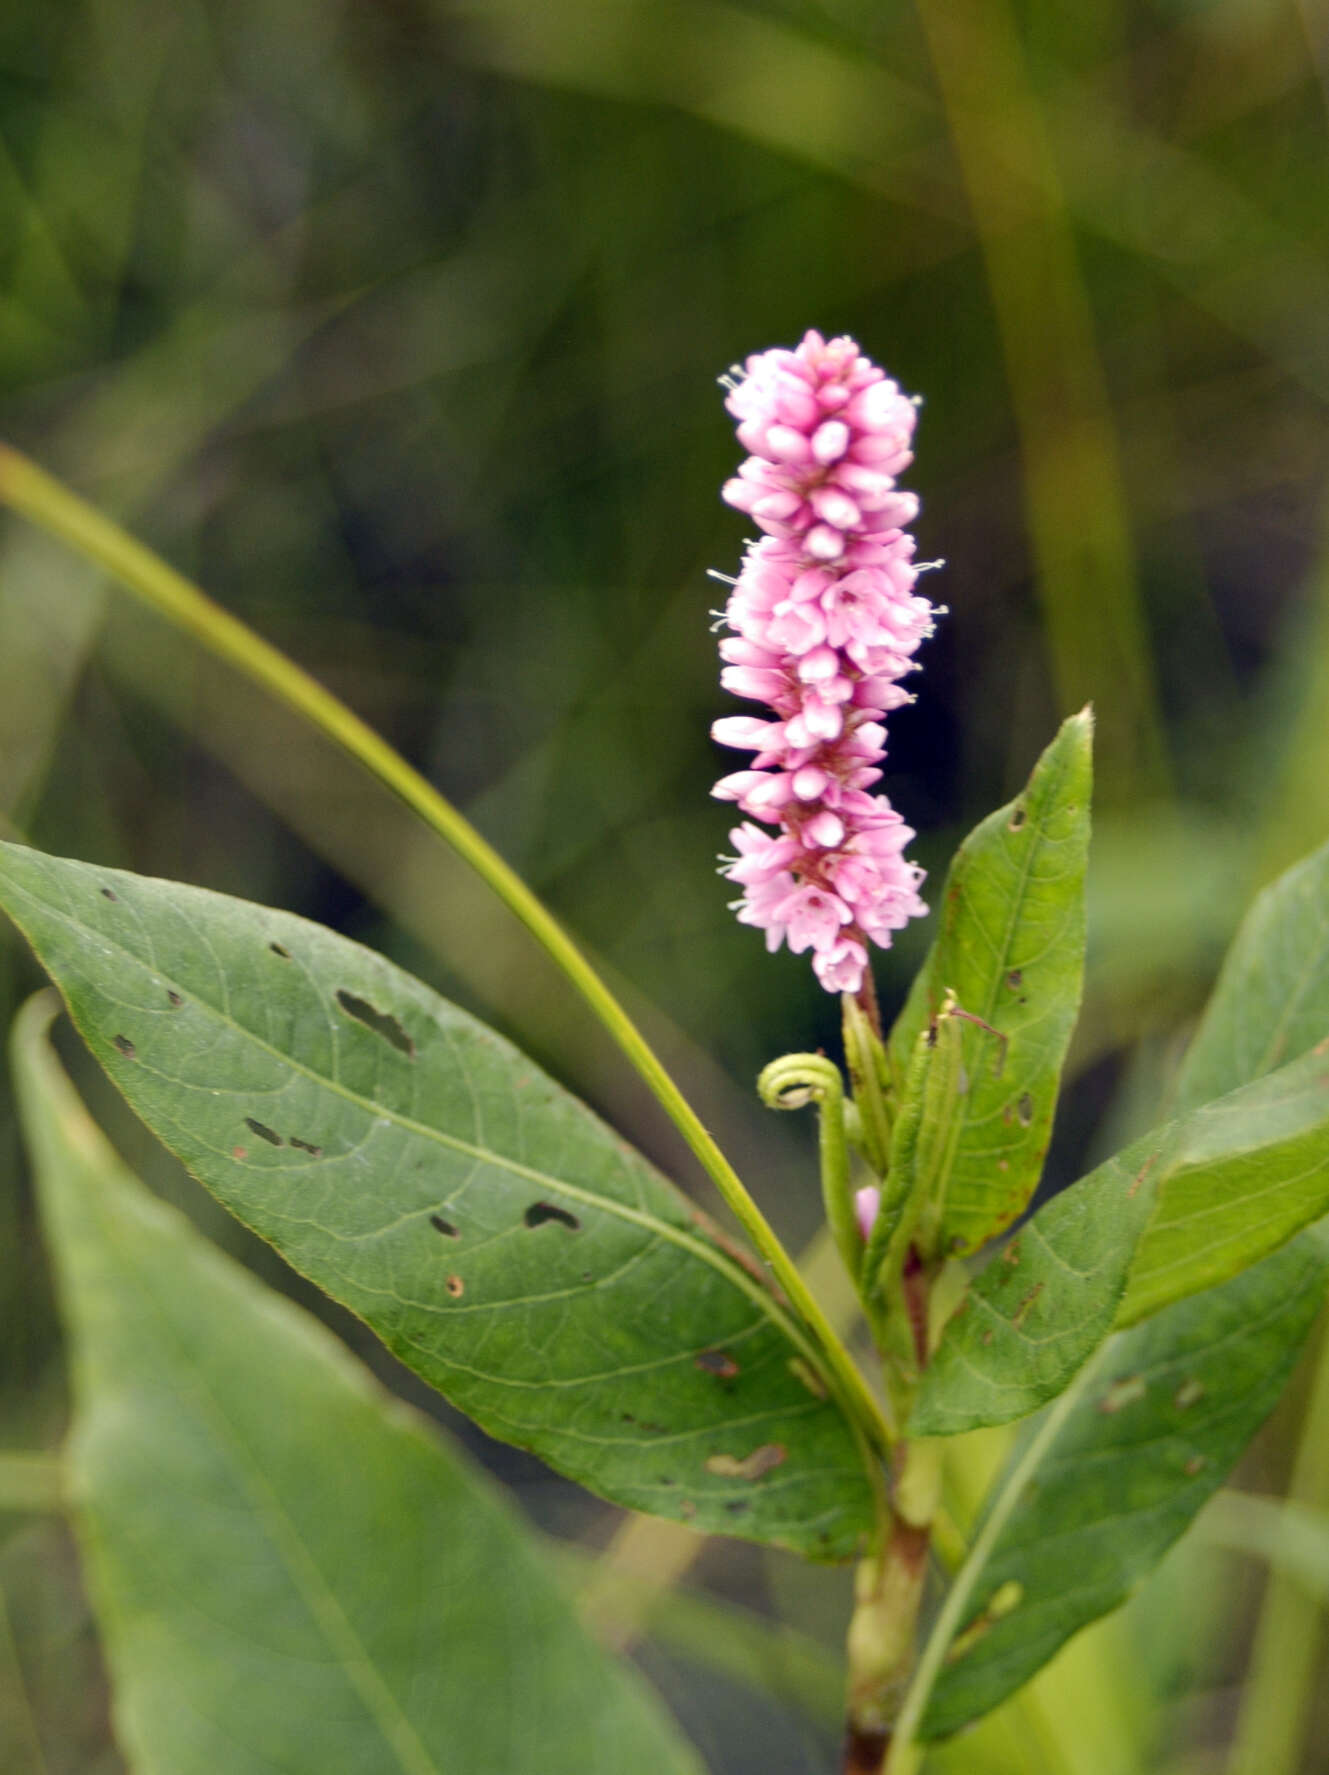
(825, 622)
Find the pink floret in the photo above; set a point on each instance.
(825, 621)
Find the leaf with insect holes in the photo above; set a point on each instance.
(501, 1240)
(290, 1569)
(1011, 949)
(1107, 1482)
(1253, 1166)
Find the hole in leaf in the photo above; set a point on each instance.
(1015, 979)
(455, 1287)
(716, 1362)
(539, 1212)
(174, 1000)
(1017, 819)
(443, 1226)
(1188, 1393)
(109, 894)
(263, 1132)
(305, 1146)
(381, 1022)
(126, 1047)
(1025, 1109)
(281, 950)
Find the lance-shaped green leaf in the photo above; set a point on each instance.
(1226, 1184)
(1271, 1003)
(499, 1238)
(1042, 1306)
(1251, 1170)
(1270, 1009)
(1110, 1479)
(1011, 948)
(290, 1569)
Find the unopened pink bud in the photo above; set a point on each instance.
(830, 441)
(824, 543)
(867, 1205)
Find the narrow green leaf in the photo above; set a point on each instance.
(1151, 1436)
(498, 1238)
(1242, 1175)
(290, 1569)
(1271, 1003)
(1042, 1306)
(1011, 948)
(1226, 1184)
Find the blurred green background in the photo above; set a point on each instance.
(396, 323)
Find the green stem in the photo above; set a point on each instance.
(1271, 1735)
(31, 1482)
(903, 1756)
(28, 490)
(793, 1081)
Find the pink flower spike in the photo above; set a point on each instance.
(824, 622)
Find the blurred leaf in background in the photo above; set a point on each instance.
(397, 327)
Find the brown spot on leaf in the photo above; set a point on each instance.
(443, 1226)
(174, 999)
(716, 1362)
(125, 1046)
(239, 1152)
(1196, 1464)
(306, 1146)
(455, 1287)
(1026, 1306)
(1018, 817)
(1015, 979)
(264, 1132)
(762, 1460)
(1123, 1392)
(1140, 1175)
(1011, 1254)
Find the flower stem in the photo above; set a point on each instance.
(30, 491)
